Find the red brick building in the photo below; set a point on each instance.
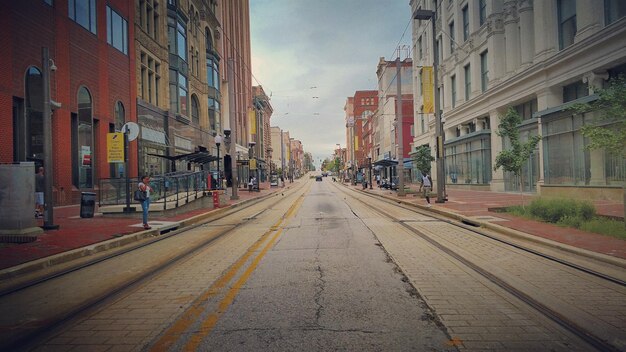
(365, 103)
(91, 46)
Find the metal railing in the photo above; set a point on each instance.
(167, 189)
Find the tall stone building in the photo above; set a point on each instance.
(178, 75)
(539, 57)
(263, 135)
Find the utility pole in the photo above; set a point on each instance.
(400, 167)
(233, 127)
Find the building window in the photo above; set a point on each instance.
(438, 50)
(149, 17)
(83, 12)
(177, 39)
(568, 162)
(468, 82)
(212, 73)
(575, 91)
(614, 10)
(178, 93)
(567, 22)
(120, 118)
(527, 109)
(49, 2)
(419, 48)
(465, 23)
(82, 138)
(150, 79)
(117, 31)
(29, 139)
(469, 161)
(482, 11)
(484, 72)
(453, 90)
(451, 29)
(214, 113)
(195, 111)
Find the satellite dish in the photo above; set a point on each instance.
(132, 129)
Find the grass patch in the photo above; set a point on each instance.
(570, 213)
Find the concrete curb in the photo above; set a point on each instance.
(510, 232)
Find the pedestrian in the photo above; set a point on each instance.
(39, 187)
(250, 184)
(144, 186)
(426, 186)
(224, 184)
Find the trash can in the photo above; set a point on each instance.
(87, 204)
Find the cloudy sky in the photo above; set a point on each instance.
(311, 55)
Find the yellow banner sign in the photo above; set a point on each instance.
(115, 147)
(252, 164)
(252, 117)
(427, 89)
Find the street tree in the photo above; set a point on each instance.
(608, 128)
(423, 159)
(514, 158)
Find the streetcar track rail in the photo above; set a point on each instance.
(27, 340)
(463, 223)
(589, 337)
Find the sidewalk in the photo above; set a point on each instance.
(76, 232)
(475, 205)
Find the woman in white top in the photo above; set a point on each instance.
(144, 185)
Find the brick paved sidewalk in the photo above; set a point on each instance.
(75, 232)
(476, 204)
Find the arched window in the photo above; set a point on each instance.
(31, 127)
(209, 40)
(195, 111)
(120, 117)
(83, 137)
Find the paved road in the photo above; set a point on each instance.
(316, 269)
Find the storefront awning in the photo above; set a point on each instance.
(199, 157)
(385, 162)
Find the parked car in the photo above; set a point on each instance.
(318, 177)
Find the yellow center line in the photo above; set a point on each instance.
(212, 319)
(173, 333)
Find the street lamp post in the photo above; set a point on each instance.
(369, 161)
(48, 214)
(218, 141)
(432, 16)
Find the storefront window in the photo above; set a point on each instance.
(567, 162)
(468, 160)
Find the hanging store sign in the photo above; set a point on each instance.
(115, 147)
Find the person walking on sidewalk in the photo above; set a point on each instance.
(39, 186)
(144, 186)
(426, 186)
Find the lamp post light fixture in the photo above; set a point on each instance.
(432, 16)
(218, 141)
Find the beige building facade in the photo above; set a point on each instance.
(539, 57)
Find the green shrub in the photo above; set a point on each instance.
(570, 221)
(554, 210)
